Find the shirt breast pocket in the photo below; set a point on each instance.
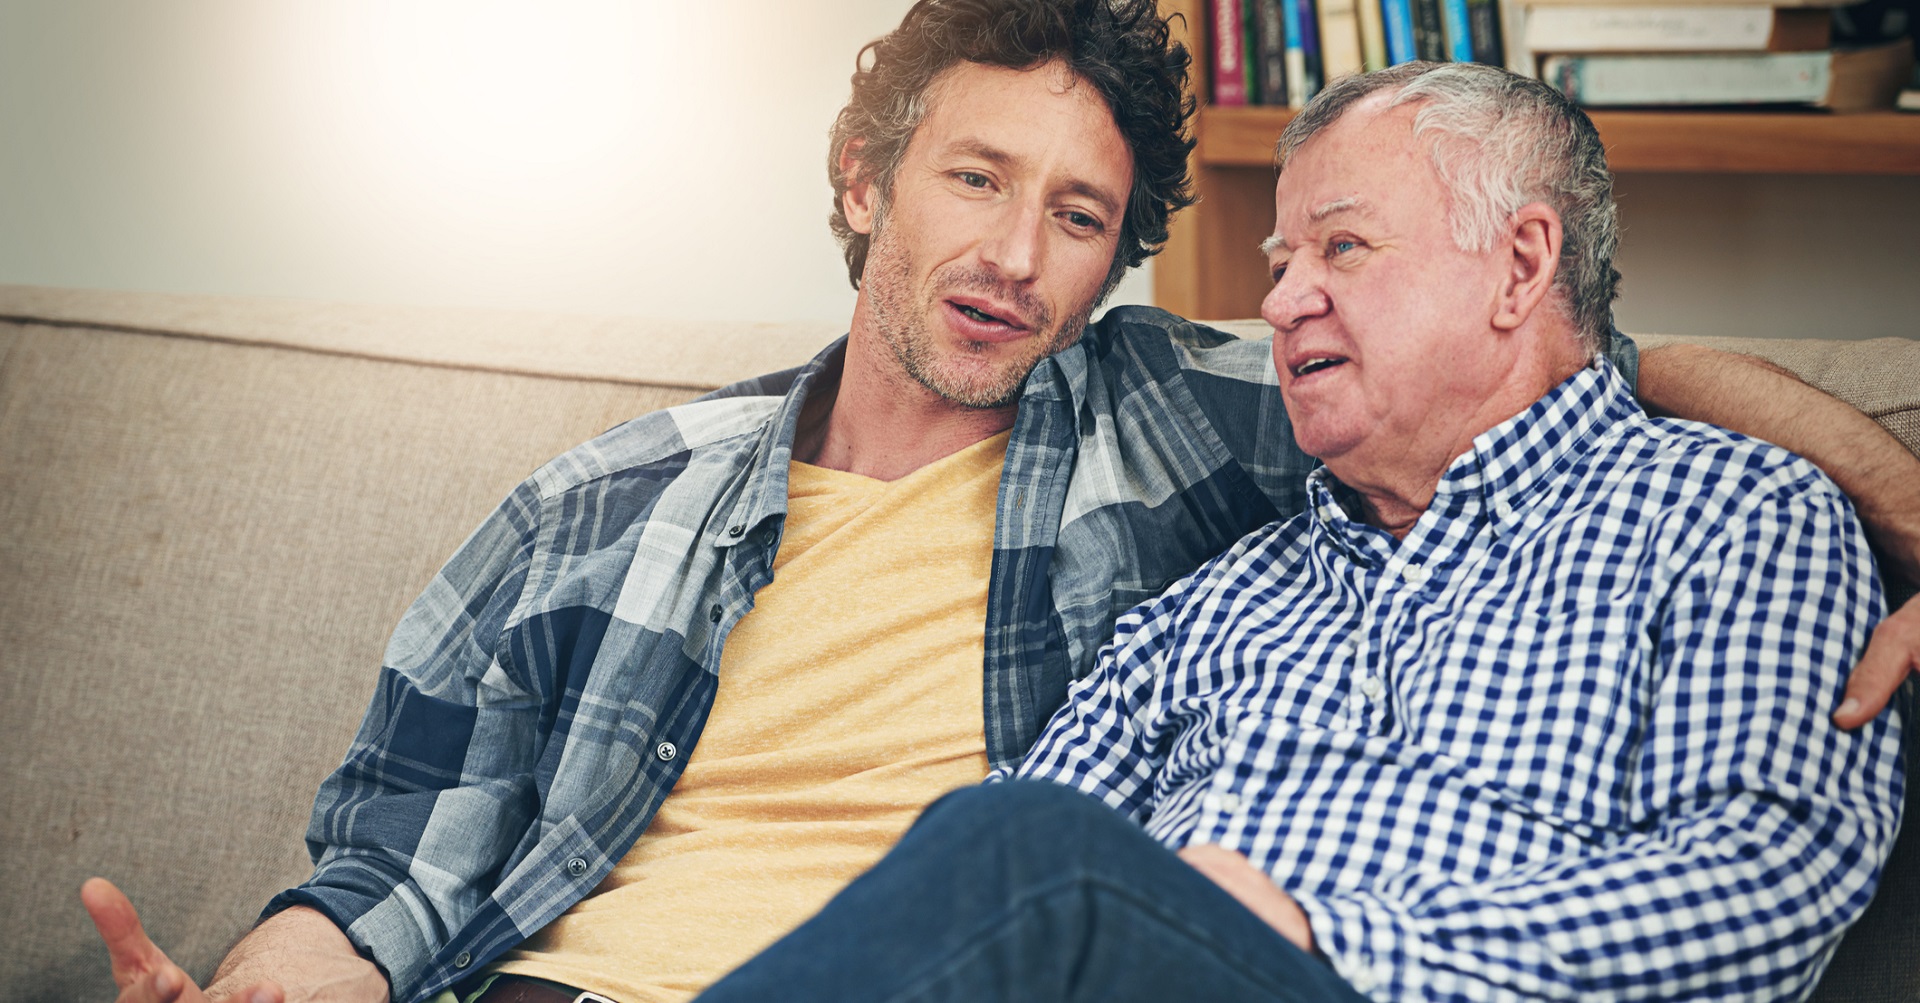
(1545, 709)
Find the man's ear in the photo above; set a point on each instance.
(857, 200)
(1535, 237)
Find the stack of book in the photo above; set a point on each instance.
(1658, 53)
(1281, 52)
(1602, 53)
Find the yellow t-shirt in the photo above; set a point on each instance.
(850, 698)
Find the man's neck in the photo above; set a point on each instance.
(878, 422)
(1395, 490)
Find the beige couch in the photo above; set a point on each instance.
(213, 511)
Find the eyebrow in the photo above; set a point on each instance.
(1001, 158)
(1319, 214)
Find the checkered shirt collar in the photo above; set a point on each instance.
(1499, 474)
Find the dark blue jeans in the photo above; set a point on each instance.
(1031, 891)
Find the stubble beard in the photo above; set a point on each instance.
(902, 324)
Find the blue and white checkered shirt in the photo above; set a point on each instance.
(1568, 740)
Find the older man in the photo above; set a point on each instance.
(1530, 703)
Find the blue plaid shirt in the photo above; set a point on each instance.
(1567, 740)
(538, 701)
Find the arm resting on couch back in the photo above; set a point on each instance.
(1881, 477)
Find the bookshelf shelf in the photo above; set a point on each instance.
(1209, 268)
(1723, 142)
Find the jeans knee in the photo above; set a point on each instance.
(1037, 818)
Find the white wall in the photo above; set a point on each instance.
(638, 157)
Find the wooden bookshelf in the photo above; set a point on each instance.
(1210, 268)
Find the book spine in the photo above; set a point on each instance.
(1398, 15)
(1229, 76)
(1483, 23)
(1513, 31)
(1273, 52)
(1373, 35)
(1296, 56)
(1453, 19)
(1692, 79)
(1310, 47)
(1677, 29)
(1429, 40)
(1339, 39)
(1250, 48)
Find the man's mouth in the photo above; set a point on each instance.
(980, 315)
(1316, 364)
(990, 318)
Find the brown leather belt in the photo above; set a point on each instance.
(519, 989)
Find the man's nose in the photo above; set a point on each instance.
(1297, 297)
(1013, 249)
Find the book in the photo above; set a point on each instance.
(1839, 79)
(1513, 30)
(1373, 35)
(1296, 55)
(1250, 47)
(1229, 53)
(1453, 23)
(1639, 28)
(1340, 39)
(1398, 18)
(1483, 21)
(1312, 77)
(1827, 4)
(1270, 31)
(1429, 38)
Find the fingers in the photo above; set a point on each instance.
(132, 954)
(1892, 653)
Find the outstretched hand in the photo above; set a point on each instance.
(1892, 653)
(143, 972)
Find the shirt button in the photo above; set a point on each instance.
(666, 751)
(462, 960)
(1414, 573)
(735, 531)
(1229, 802)
(714, 613)
(1361, 980)
(576, 866)
(1370, 686)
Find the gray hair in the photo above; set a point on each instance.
(1501, 141)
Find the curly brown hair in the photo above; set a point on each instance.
(1122, 47)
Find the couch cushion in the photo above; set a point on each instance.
(203, 547)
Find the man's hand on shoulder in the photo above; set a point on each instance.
(1892, 653)
(143, 972)
(1237, 876)
(294, 957)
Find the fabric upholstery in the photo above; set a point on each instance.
(212, 512)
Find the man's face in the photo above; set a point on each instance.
(1001, 227)
(1380, 337)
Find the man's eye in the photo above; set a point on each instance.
(1341, 246)
(973, 179)
(1083, 221)
(1279, 272)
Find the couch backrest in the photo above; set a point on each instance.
(212, 513)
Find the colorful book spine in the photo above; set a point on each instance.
(1310, 46)
(1271, 22)
(1373, 35)
(1483, 23)
(1296, 55)
(1398, 15)
(1229, 52)
(1453, 22)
